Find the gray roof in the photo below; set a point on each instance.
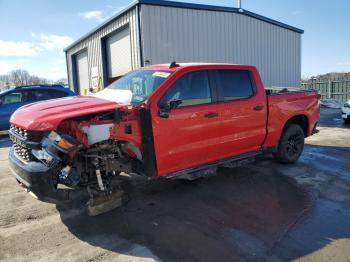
(188, 6)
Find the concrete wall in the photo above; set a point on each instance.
(190, 35)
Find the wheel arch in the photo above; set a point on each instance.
(301, 120)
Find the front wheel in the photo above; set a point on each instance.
(291, 145)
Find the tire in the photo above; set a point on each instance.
(346, 121)
(291, 144)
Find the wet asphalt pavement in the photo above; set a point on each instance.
(264, 211)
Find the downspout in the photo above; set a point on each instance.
(139, 32)
(68, 75)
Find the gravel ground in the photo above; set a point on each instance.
(263, 211)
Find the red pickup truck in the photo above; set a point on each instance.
(177, 121)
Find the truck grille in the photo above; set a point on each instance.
(19, 131)
(23, 142)
(23, 152)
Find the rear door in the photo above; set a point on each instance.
(187, 137)
(243, 113)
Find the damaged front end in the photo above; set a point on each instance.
(97, 153)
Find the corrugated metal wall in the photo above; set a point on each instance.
(189, 35)
(93, 44)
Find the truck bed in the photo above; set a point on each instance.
(285, 103)
(283, 90)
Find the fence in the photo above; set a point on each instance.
(336, 89)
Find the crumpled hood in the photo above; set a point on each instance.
(46, 116)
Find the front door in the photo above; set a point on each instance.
(187, 137)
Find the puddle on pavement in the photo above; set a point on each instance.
(182, 220)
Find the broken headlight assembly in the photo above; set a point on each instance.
(64, 142)
(54, 148)
(42, 155)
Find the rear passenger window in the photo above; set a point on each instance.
(44, 94)
(38, 95)
(191, 89)
(57, 94)
(235, 84)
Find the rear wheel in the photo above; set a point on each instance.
(291, 145)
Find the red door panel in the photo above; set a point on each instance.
(242, 128)
(187, 138)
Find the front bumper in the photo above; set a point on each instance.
(38, 179)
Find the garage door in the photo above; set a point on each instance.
(118, 52)
(82, 73)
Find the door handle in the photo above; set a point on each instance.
(259, 108)
(211, 115)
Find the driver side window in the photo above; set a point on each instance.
(191, 89)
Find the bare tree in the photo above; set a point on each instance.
(19, 77)
(5, 81)
(34, 80)
(62, 81)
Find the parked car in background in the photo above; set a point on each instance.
(11, 100)
(346, 112)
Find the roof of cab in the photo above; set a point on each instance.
(187, 65)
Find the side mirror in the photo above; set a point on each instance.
(166, 108)
(174, 104)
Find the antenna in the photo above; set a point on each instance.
(173, 64)
(239, 3)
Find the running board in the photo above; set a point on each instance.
(210, 169)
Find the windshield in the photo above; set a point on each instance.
(141, 83)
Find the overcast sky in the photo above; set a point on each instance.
(33, 33)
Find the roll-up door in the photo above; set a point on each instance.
(118, 52)
(82, 71)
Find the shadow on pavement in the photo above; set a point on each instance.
(243, 214)
(239, 214)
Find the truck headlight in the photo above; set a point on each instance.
(62, 141)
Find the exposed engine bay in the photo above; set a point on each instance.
(87, 152)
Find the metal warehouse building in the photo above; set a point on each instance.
(154, 31)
